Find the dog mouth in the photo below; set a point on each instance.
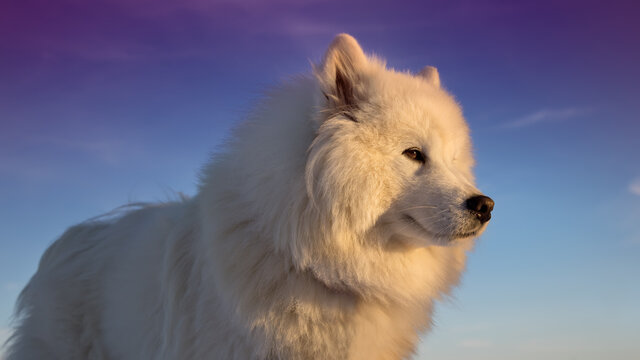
(452, 236)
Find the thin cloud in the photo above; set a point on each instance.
(546, 116)
(149, 29)
(108, 151)
(18, 160)
(634, 187)
(25, 168)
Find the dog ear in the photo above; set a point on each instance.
(430, 74)
(340, 71)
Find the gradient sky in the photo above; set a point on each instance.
(107, 102)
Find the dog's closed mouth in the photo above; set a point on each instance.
(465, 235)
(411, 220)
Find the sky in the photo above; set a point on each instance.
(113, 101)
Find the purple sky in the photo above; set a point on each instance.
(104, 102)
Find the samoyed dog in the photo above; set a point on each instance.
(334, 218)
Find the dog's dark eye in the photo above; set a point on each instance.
(414, 154)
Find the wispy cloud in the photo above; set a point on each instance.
(150, 29)
(546, 116)
(147, 28)
(108, 151)
(45, 157)
(634, 187)
(25, 169)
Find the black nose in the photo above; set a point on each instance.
(481, 207)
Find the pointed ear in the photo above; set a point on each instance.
(430, 74)
(340, 71)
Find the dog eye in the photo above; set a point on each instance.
(414, 154)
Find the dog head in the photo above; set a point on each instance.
(392, 153)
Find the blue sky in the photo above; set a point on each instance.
(107, 102)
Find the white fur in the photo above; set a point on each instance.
(295, 246)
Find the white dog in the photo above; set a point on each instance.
(339, 211)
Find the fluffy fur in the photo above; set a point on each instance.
(314, 235)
